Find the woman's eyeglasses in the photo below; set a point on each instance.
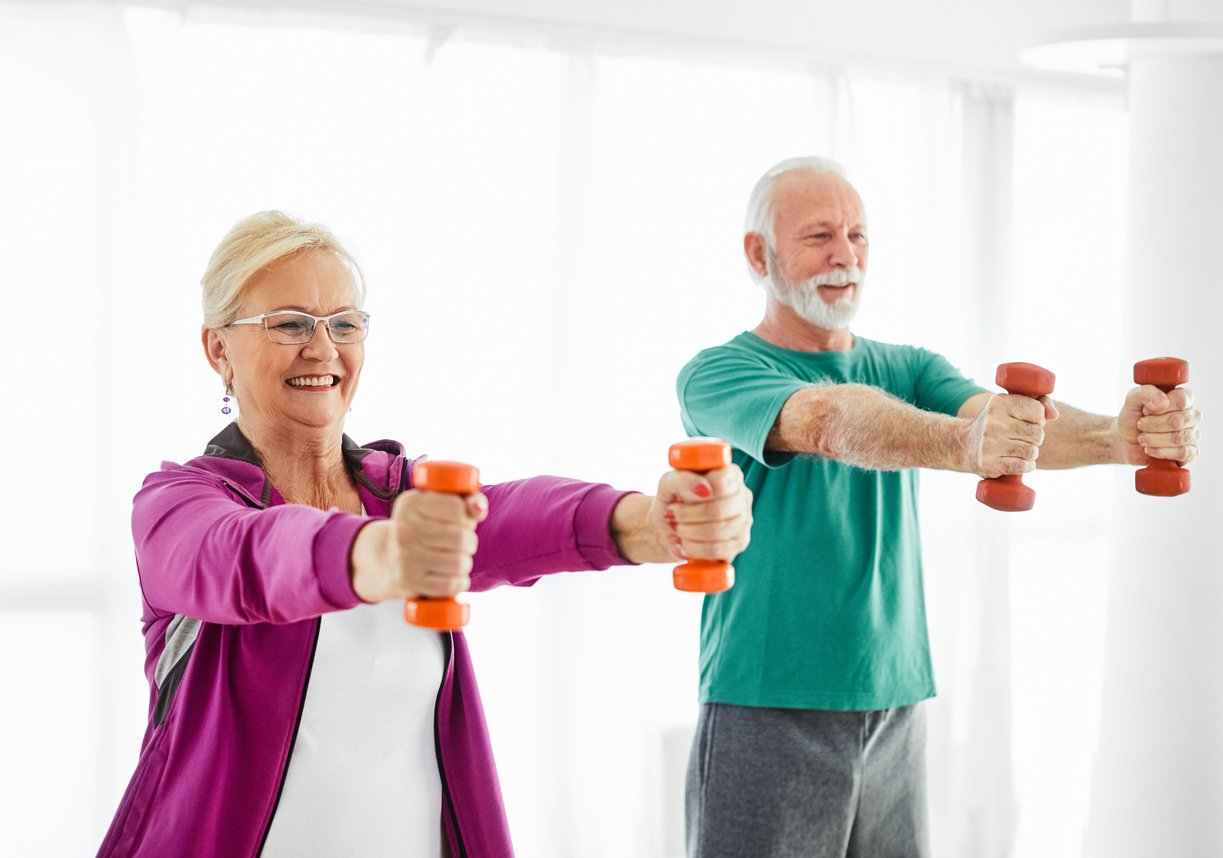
(291, 327)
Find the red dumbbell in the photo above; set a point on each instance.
(444, 615)
(1008, 493)
(1162, 477)
(701, 455)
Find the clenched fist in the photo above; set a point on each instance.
(424, 549)
(1005, 437)
(1159, 425)
(705, 515)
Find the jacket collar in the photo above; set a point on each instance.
(378, 466)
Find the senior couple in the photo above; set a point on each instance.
(291, 710)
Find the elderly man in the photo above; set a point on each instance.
(811, 737)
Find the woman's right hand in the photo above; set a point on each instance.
(424, 549)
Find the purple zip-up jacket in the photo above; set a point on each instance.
(234, 581)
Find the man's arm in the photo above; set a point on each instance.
(1074, 439)
(864, 426)
(1151, 424)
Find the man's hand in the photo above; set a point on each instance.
(1157, 425)
(1005, 437)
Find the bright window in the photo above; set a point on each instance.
(549, 231)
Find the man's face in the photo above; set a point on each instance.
(819, 261)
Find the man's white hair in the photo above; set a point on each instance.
(760, 204)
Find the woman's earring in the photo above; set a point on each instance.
(229, 391)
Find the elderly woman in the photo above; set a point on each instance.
(292, 712)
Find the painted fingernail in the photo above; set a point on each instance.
(701, 490)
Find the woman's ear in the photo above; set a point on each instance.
(217, 353)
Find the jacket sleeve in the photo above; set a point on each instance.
(203, 552)
(542, 525)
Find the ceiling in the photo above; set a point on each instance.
(973, 35)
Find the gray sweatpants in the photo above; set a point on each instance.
(806, 783)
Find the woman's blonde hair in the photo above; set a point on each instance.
(252, 245)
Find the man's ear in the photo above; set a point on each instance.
(217, 353)
(754, 248)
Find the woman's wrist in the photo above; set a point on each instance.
(634, 533)
(368, 559)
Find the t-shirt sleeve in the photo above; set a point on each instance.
(940, 386)
(736, 397)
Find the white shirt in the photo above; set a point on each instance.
(363, 777)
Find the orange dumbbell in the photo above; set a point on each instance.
(1008, 493)
(1162, 477)
(701, 455)
(444, 615)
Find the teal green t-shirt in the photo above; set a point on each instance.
(827, 611)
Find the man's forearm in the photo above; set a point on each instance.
(864, 426)
(1078, 438)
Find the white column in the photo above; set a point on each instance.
(1158, 787)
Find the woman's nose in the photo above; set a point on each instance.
(320, 345)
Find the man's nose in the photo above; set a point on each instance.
(843, 254)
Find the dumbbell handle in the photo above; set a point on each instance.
(1008, 493)
(701, 455)
(1162, 477)
(441, 614)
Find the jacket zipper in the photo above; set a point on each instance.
(448, 637)
(301, 707)
(448, 640)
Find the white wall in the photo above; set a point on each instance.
(130, 157)
(980, 36)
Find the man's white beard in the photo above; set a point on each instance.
(804, 298)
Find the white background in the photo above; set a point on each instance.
(549, 215)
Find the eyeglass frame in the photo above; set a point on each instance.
(262, 318)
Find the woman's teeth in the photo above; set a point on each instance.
(313, 381)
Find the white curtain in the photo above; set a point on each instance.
(550, 224)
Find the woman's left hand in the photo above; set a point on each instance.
(706, 516)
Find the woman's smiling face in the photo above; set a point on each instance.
(282, 387)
